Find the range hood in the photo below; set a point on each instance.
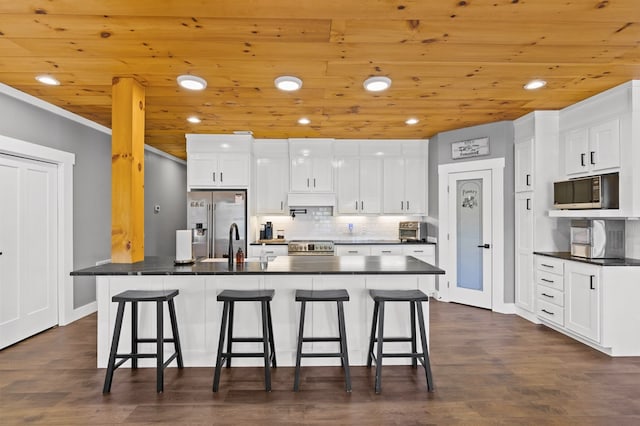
(306, 199)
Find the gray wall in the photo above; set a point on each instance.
(501, 146)
(92, 185)
(165, 184)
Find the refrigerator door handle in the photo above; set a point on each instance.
(210, 230)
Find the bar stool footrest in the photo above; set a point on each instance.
(320, 339)
(321, 355)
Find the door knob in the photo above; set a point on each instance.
(484, 246)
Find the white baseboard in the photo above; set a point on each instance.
(81, 312)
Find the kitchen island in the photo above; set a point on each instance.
(199, 313)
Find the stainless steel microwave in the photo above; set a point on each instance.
(592, 192)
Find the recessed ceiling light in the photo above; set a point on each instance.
(48, 80)
(194, 120)
(192, 82)
(304, 120)
(535, 84)
(288, 83)
(377, 84)
(411, 121)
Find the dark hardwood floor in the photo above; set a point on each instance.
(488, 368)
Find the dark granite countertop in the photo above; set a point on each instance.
(282, 265)
(565, 255)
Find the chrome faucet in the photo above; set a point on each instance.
(233, 225)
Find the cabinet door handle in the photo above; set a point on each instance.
(548, 295)
(221, 180)
(418, 251)
(352, 251)
(214, 176)
(546, 280)
(281, 205)
(307, 182)
(407, 204)
(546, 266)
(386, 251)
(582, 160)
(269, 252)
(528, 203)
(591, 285)
(547, 312)
(528, 180)
(314, 182)
(592, 157)
(401, 205)
(356, 205)
(361, 205)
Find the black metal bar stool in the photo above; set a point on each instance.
(229, 297)
(135, 296)
(338, 296)
(415, 298)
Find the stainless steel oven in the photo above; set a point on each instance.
(311, 248)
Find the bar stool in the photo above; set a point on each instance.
(338, 296)
(414, 297)
(135, 296)
(229, 297)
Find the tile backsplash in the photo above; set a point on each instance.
(319, 223)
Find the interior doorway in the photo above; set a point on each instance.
(471, 233)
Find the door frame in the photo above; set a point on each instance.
(64, 161)
(496, 166)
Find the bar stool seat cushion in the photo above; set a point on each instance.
(398, 296)
(145, 296)
(246, 295)
(322, 295)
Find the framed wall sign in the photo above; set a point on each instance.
(470, 148)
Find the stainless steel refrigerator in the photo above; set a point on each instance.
(210, 215)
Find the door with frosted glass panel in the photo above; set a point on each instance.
(470, 238)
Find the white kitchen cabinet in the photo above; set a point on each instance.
(582, 298)
(404, 186)
(386, 250)
(424, 252)
(218, 170)
(271, 176)
(270, 250)
(524, 284)
(359, 185)
(592, 149)
(523, 158)
(549, 285)
(353, 250)
(311, 165)
(218, 161)
(536, 167)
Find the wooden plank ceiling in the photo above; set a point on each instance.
(453, 63)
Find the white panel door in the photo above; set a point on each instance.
(393, 186)
(414, 185)
(28, 241)
(370, 185)
(272, 183)
(604, 143)
(470, 245)
(524, 251)
(349, 186)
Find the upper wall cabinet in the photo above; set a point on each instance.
(311, 165)
(218, 161)
(599, 135)
(405, 180)
(271, 166)
(358, 176)
(592, 149)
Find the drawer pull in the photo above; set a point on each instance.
(546, 280)
(547, 266)
(418, 251)
(548, 295)
(547, 312)
(352, 251)
(386, 251)
(269, 252)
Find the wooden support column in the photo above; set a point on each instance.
(127, 171)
